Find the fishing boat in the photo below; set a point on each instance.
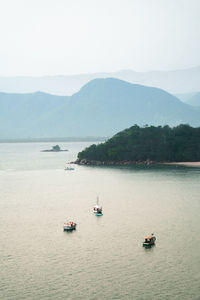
(97, 207)
(69, 226)
(149, 240)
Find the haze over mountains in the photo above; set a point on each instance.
(177, 81)
(102, 107)
(190, 98)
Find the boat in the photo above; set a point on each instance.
(99, 212)
(69, 168)
(149, 240)
(69, 226)
(97, 207)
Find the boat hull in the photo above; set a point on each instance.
(150, 242)
(69, 228)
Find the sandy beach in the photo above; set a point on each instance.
(187, 163)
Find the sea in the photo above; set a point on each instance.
(104, 257)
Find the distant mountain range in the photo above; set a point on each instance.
(178, 81)
(190, 98)
(101, 108)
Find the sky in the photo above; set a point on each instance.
(65, 37)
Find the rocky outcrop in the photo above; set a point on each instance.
(55, 148)
(111, 163)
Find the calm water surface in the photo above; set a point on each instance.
(104, 257)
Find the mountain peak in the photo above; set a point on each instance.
(108, 85)
(102, 107)
(104, 82)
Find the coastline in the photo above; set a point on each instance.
(186, 163)
(86, 162)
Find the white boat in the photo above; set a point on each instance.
(69, 168)
(69, 226)
(97, 208)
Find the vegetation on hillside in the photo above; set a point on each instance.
(149, 143)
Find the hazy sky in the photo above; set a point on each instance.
(49, 37)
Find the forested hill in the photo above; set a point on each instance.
(146, 144)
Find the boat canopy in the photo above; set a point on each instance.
(68, 223)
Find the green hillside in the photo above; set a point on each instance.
(147, 144)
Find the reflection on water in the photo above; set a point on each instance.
(104, 258)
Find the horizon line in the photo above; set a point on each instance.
(100, 72)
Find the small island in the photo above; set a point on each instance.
(145, 145)
(55, 148)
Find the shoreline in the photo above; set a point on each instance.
(86, 162)
(186, 163)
